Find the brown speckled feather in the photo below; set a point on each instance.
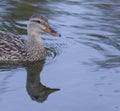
(12, 47)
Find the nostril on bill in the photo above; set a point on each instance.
(55, 32)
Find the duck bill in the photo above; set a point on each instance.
(52, 32)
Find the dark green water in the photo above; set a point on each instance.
(84, 63)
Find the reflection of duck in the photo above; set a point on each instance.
(14, 49)
(34, 87)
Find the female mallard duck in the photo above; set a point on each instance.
(15, 49)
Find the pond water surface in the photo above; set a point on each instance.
(82, 69)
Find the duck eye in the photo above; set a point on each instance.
(38, 21)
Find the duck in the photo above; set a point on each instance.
(15, 49)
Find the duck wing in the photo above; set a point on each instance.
(12, 47)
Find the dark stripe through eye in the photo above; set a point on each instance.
(36, 21)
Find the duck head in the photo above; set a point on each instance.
(39, 24)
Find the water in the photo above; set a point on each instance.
(81, 70)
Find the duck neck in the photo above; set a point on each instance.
(34, 38)
(35, 48)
